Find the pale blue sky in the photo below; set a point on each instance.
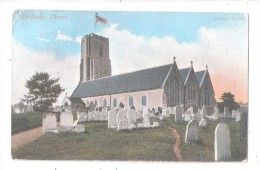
(40, 34)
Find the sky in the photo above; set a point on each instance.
(50, 41)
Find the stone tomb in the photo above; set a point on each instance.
(66, 119)
(112, 122)
(122, 125)
(49, 122)
(191, 131)
(222, 142)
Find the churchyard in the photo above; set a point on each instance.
(118, 134)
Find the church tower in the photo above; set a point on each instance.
(95, 62)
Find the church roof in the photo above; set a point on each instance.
(200, 75)
(184, 73)
(148, 79)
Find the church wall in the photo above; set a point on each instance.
(168, 87)
(207, 86)
(192, 81)
(154, 99)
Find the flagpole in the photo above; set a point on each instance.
(95, 22)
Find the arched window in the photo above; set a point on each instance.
(114, 102)
(131, 101)
(104, 103)
(100, 74)
(144, 102)
(191, 93)
(207, 94)
(176, 91)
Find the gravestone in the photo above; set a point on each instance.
(66, 119)
(145, 112)
(170, 112)
(178, 114)
(191, 131)
(204, 111)
(203, 123)
(146, 121)
(222, 142)
(140, 125)
(120, 115)
(187, 116)
(49, 122)
(132, 126)
(164, 113)
(131, 116)
(139, 114)
(122, 125)
(112, 120)
(243, 124)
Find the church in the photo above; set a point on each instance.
(160, 86)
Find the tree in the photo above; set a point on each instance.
(228, 100)
(43, 91)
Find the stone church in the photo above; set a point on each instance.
(160, 86)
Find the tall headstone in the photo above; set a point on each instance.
(112, 122)
(49, 121)
(187, 116)
(191, 131)
(170, 112)
(131, 116)
(222, 142)
(204, 111)
(121, 115)
(178, 114)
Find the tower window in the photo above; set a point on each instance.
(100, 51)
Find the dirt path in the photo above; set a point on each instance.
(25, 137)
(177, 146)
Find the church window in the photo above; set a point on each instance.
(176, 91)
(104, 103)
(100, 51)
(100, 74)
(114, 102)
(207, 95)
(144, 102)
(131, 101)
(191, 93)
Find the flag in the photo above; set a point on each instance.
(101, 20)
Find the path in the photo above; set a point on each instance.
(25, 137)
(177, 146)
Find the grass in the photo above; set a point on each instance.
(25, 121)
(203, 149)
(101, 143)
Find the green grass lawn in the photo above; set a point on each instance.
(101, 143)
(25, 121)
